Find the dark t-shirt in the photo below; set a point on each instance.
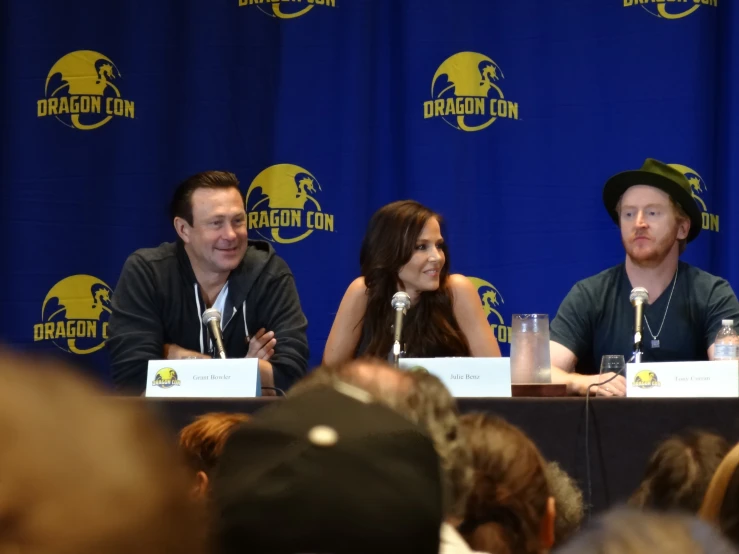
(597, 318)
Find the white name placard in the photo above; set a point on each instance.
(234, 378)
(683, 380)
(467, 377)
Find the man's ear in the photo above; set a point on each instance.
(546, 527)
(683, 228)
(183, 229)
(202, 483)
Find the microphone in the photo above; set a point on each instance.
(638, 297)
(400, 303)
(212, 319)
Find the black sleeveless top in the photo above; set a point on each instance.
(437, 351)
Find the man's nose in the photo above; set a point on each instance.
(229, 232)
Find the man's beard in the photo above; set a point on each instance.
(656, 252)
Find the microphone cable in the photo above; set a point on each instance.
(588, 468)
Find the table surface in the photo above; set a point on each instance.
(623, 431)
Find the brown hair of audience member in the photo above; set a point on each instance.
(388, 244)
(432, 406)
(384, 383)
(85, 473)
(420, 397)
(679, 471)
(203, 440)
(568, 502)
(510, 509)
(721, 502)
(634, 531)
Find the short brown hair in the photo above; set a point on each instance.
(181, 205)
(84, 473)
(203, 440)
(510, 492)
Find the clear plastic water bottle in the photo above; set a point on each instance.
(726, 345)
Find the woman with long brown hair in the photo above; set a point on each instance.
(403, 250)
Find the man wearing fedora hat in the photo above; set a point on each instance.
(658, 217)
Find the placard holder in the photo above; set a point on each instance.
(467, 377)
(231, 378)
(717, 379)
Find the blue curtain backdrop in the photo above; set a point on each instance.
(505, 116)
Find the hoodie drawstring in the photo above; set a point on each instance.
(200, 323)
(201, 329)
(246, 329)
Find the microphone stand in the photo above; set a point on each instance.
(638, 296)
(400, 303)
(638, 352)
(396, 354)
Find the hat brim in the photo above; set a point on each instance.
(618, 184)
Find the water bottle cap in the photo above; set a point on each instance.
(729, 322)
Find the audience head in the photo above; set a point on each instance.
(84, 473)
(567, 501)
(202, 444)
(632, 531)
(432, 406)
(329, 471)
(679, 471)
(721, 503)
(420, 397)
(510, 509)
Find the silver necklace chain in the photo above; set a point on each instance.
(654, 337)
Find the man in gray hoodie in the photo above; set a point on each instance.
(163, 291)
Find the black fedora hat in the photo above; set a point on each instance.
(659, 175)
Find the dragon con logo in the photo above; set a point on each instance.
(491, 301)
(697, 188)
(465, 93)
(282, 206)
(166, 378)
(287, 9)
(80, 91)
(646, 379)
(74, 315)
(670, 9)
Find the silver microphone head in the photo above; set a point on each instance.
(211, 314)
(401, 300)
(640, 295)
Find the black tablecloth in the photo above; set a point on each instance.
(623, 432)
